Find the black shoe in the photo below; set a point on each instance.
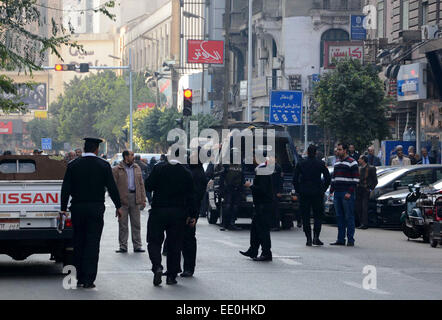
(337, 243)
(171, 280)
(157, 277)
(317, 242)
(363, 227)
(248, 254)
(234, 228)
(275, 229)
(121, 251)
(223, 229)
(89, 286)
(309, 242)
(80, 284)
(139, 250)
(186, 274)
(350, 244)
(263, 258)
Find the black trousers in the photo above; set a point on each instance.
(276, 217)
(87, 222)
(315, 203)
(189, 246)
(361, 205)
(173, 222)
(260, 229)
(232, 198)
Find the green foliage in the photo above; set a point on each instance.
(97, 106)
(23, 50)
(351, 104)
(44, 128)
(151, 127)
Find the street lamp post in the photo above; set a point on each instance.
(249, 66)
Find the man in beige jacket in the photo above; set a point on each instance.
(400, 160)
(130, 184)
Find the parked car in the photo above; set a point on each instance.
(390, 206)
(329, 210)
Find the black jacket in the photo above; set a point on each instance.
(373, 160)
(262, 188)
(85, 181)
(172, 187)
(277, 179)
(199, 180)
(307, 177)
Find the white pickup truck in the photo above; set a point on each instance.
(30, 190)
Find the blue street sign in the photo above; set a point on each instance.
(286, 107)
(46, 143)
(358, 32)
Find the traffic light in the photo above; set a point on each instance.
(64, 67)
(84, 67)
(187, 103)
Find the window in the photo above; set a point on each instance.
(344, 5)
(405, 14)
(326, 5)
(380, 19)
(332, 35)
(17, 166)
(424, 18)
(422, 176)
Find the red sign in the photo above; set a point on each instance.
(142, 106)
(6, 128)
(342, 50)
(205, 51)
(29, 198)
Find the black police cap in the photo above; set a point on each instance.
(93, 140)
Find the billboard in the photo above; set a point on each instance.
(33, 96)
(341, 50)
(411, 84)
(205, 51)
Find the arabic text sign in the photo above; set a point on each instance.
(46, 143)
(205, 51)
(286, 107)
(342, 50)
(358, 31)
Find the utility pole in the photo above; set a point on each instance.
(249, 65)
(226, 63)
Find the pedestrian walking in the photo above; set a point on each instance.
(311, 188)
(368, 180)
(189, 241)
(78, 152)
(172, 208)
(425, 158)
(400, 160)
(372, 159)
(262, 191)
(343, 185)
(85, 181)
(352, 152)
(130, 183)
(142, 165)
(412, 155)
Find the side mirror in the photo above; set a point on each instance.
(396, 184)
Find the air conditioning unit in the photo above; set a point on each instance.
(263, 53)
(429, 31)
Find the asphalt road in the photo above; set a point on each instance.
(404, 269)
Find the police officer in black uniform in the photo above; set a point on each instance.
(310, 187)
(262, 191)
(85, 181)
(231, 182)
(172, 208)
(189, 240)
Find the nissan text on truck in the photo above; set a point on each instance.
(30, 195)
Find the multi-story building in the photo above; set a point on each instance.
(289, 40)
(408, 34)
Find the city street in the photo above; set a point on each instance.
(405, 269)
